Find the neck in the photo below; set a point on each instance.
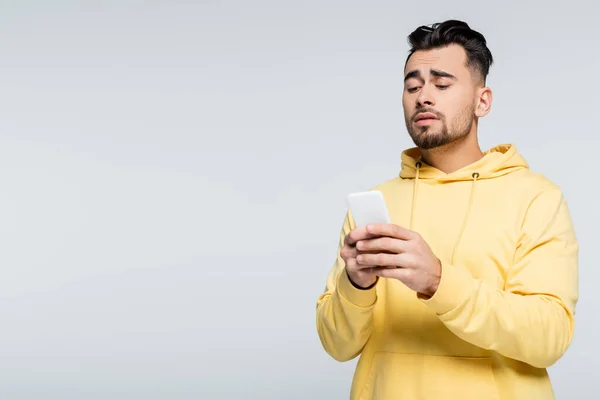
(453, 156)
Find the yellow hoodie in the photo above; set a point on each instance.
(504, 309)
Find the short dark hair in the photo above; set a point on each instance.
(443, 34)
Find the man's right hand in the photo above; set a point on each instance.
(361, 275)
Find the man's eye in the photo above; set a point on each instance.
(442, 87)
(412, 89)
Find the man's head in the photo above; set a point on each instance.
(444, 86)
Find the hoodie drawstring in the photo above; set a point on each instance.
(414, 197)
(475, 176)
(466, 217)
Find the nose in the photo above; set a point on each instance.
(425, 97)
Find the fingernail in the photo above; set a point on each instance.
(359, 258)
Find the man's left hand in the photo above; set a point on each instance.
(401, 254)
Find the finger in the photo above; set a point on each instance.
(382, 244)
(353, 237)
(379, 259)
(375, 252)
(402, 274)
(400, 260)
(348, 252)
(390, 230)
(357, 234)
(353, 265)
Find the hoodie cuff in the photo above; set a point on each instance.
(358, 297)
(455, 284)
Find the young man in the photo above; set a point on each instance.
(470, 293)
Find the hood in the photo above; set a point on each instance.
(497, 161)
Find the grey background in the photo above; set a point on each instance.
(173, 179)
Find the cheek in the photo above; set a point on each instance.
(455, 106)
(407, 104)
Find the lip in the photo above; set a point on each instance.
(426, 115)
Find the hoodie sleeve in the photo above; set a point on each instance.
(532, 319)
(344, 312)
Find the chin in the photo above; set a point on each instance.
(430, 140)
(427, 135)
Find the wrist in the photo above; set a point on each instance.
(361, 287)
(434, 283)
(357, 297)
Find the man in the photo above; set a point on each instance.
(470, 293)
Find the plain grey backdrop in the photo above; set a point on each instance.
(173, 179)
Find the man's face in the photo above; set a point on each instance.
(439, 97)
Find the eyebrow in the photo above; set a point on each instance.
(435, 72)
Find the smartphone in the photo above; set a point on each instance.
(368, 207)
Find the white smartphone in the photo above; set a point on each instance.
(368, 207)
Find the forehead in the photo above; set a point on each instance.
(451, 59)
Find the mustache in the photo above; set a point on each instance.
(427, 110)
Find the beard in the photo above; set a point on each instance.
(430, 137)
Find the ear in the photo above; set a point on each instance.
(484, 102)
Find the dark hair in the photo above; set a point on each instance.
(443, 34)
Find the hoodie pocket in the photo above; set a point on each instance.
(420, 377)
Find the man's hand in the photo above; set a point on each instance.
(401, 254)
(361, 275)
